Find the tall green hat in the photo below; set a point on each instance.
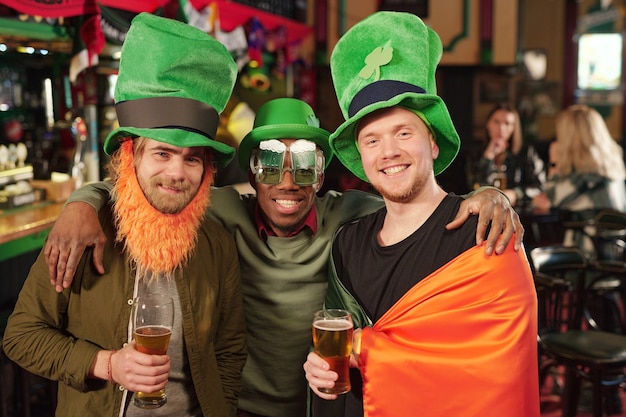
(174, 81)
(284, 118)
(389, 59)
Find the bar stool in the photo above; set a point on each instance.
(563, 278)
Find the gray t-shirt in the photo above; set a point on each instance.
(181, 396)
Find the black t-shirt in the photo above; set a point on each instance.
(379, 276)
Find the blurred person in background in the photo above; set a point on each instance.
(505, 162)
(586, 170)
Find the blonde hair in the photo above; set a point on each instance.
(515, 141)
(585, 144)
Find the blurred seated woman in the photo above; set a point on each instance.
(507, 163)
(586, 170)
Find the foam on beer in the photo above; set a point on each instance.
(332, 325)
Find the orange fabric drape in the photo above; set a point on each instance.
(462, 342)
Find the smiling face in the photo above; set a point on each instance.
(397, 151)
(285, 205)
(169, 176)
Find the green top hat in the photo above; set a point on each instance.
(284, 118)
(174, 81)
(389, 59)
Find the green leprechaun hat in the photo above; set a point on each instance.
(389, 59)
(284, 118)
(174, 81)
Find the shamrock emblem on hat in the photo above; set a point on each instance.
(380, 56)
(311, 120)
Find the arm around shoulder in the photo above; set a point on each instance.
(95, 194)
(69, 237)
(494, 213)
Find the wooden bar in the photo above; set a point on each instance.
(25, 229)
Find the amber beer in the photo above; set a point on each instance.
(152, 340)
(332, 338)
(153, 319)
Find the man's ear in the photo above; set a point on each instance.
(434, 147)
(252, 180)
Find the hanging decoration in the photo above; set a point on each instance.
(277, 46)
(269, 55)
(236, 43)
(71, 8)
(233, 14)
(67, 8)
(90, 43)
(271, 41)
(256, 73)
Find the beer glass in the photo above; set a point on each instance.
(499, 178)
(332, 338)
(153, 319)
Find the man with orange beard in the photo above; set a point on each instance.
(158, 241)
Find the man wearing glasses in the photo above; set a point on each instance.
(283, 236)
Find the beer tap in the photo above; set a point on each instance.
(79, 131)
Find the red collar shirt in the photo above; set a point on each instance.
(265, 230)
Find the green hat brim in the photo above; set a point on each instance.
(284, 131)
(343, 140)
(222, 153)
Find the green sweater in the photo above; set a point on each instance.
(58, 335)
(284, 281)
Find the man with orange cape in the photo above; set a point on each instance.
(158, 241)
(444, 330)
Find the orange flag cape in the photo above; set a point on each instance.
(461, 342)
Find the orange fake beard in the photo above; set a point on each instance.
(155, 241)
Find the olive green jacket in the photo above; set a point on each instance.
(57, 336)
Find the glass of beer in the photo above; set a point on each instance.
(499, 178)
(332, 338)
(153, 318)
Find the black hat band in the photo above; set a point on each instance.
(378, 91)
(166, 112)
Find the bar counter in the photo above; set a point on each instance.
(25, 229)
